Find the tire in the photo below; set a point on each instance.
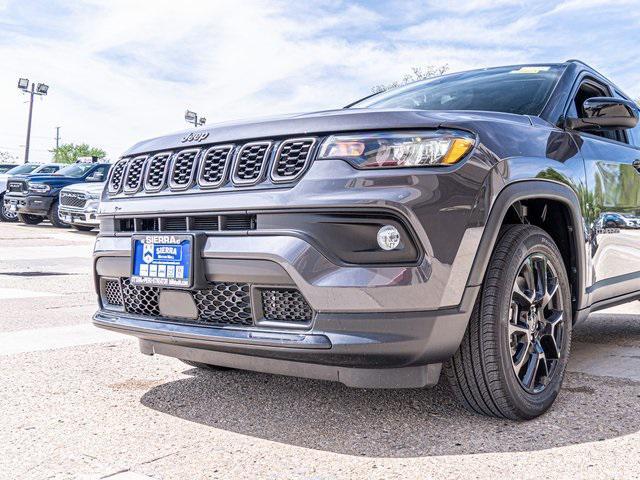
(30, 219)
(490, 373)
(54, 216)
(6, 215)
(82, 228)
(204, 366)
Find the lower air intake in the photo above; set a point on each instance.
(285, 305)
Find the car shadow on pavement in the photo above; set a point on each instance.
(392, 423)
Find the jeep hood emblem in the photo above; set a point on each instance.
(194, 137)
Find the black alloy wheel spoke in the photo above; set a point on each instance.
(535, 326)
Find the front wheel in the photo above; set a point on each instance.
(513, 356)
(54, 216)
(30, 219)
(5, 214)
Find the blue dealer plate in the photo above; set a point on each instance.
(162, 260)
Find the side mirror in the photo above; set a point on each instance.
(606, 113)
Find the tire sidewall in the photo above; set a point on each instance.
(530, 405)
(54, 216)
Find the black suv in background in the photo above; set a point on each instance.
(36, 198)
(449, 225)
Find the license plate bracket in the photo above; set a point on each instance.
(163, 260)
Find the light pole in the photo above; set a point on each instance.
(39, 89)
(192, 117)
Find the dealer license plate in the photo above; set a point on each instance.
(162, 260)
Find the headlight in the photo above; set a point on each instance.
(93, 196)
(39, 188)
(399, 149)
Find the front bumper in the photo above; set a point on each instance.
(401, 350)
(28, 204)
(77, 216)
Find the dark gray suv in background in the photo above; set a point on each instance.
(449, 225)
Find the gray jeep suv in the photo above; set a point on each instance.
(449, 226)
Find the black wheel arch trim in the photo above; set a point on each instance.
(525, 190)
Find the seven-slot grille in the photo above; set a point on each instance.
(117, 176)
(214, 166)
(292, 159)
(250, 163)
(72, 199)
(221, 303)
(182, 169)
(133, 176)
(157, 172)
(209, 168)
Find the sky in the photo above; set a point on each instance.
(123, 71)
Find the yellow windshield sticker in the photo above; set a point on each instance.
(530, 70)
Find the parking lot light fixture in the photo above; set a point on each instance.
(41, 89)
(192, 117)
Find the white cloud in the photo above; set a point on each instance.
(123, 71)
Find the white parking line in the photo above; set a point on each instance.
(38, 339)
(14, 293)
(605, 360)
(47, 253)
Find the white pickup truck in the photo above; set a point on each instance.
(79, 205)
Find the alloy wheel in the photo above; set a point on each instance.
(536, 323)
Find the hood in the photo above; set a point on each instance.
(89, 187)
(55, 181)
(330, 121)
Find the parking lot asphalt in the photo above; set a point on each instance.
(78, 402)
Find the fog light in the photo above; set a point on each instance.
(388, 237)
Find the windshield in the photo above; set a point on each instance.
(6, 168)
(20, 169)
(76, 170)
(523, 90)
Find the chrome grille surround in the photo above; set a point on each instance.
(134, 174)
(157, 170)
(183, 168)
(117, 177)
(250, 163)
(292, 159)
(214, 166)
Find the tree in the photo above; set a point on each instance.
(69, 152)
(417, 73)
(7, 157)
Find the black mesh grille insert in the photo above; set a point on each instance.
(214, 166)
(157, 171)
(251, 162)
(141, 300)
(133, 179)
(182, 171)
(174, 224)
(285, 305)
(112, 293)
(117, 174)
(292, 159)
(224, 303)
